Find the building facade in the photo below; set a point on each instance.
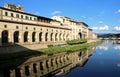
(79, 29)
(33, 31)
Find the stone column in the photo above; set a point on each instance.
(21, 36)
(49, 37)
(37, 37)
(10, 36)
(22, 71)
(30, 37)
(53, 38)
(12, 73)
(43, 37)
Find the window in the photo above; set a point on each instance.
(12, 15)
(17, 15)
(5, 26)
(26, 27)
(26, 17)
(34, 19)
(17, 27)
(30, 18)
(34, 28)
(22, 16)
(6, 13)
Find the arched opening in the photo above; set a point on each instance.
(27, 71)
(40, 36)
(56, 37)
(51, 37)
(41, 66)
(64, 37)
(17, 72)
(67, 37)
(4, 37)
(47, 64)
(16, 36)
(33, 37)
(35, 68)
(60, 37)
(80, 35)
(46, 36)
(26, 36)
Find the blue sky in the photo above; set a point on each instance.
(103, 16)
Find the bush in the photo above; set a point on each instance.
(72, 42)
(50, 45)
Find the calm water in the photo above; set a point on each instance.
(104, 62)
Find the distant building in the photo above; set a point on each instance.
(79, 29)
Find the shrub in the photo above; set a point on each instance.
(50, 45)
(72, 42)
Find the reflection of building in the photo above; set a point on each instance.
(44, 65)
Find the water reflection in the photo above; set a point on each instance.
(105, 48)
(101, 63)
(117, 47)
(48, 65)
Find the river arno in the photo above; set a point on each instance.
(104, 62)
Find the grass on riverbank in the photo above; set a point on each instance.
(68, 48)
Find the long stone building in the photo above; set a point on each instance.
(33, 31)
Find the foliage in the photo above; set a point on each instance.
(72, 42)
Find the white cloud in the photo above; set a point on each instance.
(95, 28)
(118, 11)
(56, 12)
(105, 27)
(117, 28)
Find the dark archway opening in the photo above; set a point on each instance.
(26, 37)
(40, 36)
(16, 37)
(4, 37)
(80, 35)
(46, 37)
(33, 37)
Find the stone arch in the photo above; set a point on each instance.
(41, 66)
(46, 36)
(17, 72)
(33, 36)
(26, 36)
(51, 37)
(52, 62)
(16, 36)
(64, 37)
(60, 36)
(40, 36)
(5, 36)
(35, 68)
(56, 39)
(47, 64)
(80, 35)
(67, 36)
(27, 71)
